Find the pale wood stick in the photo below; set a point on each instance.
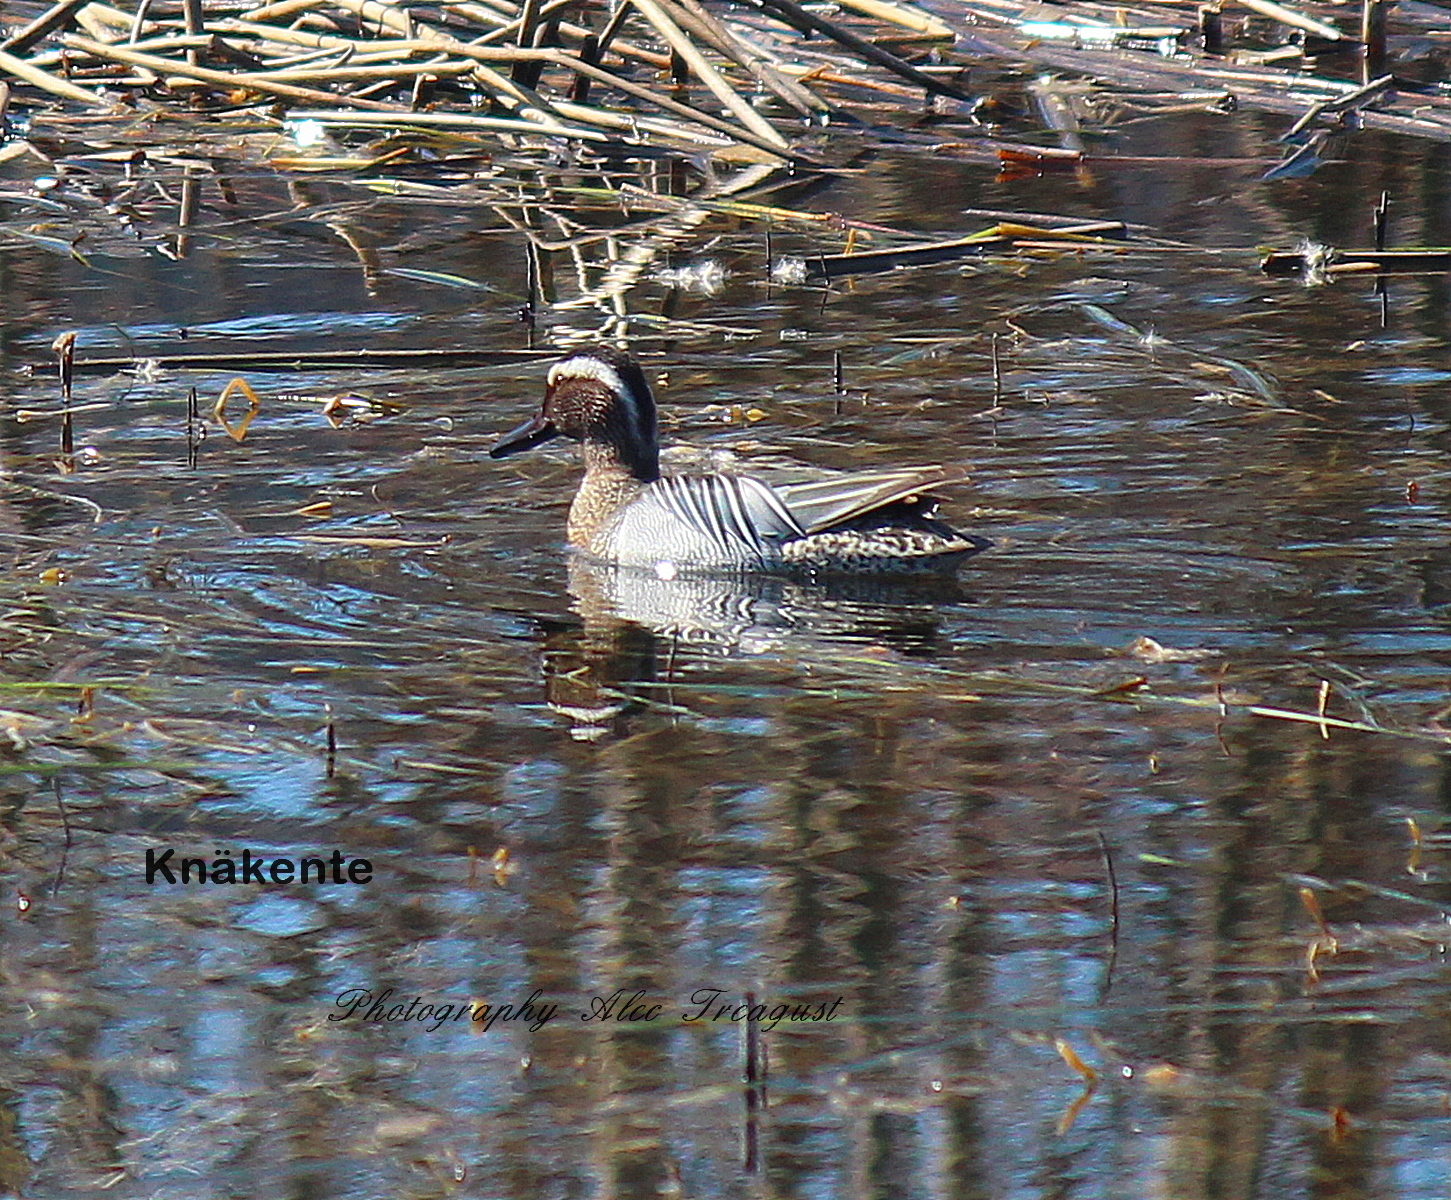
(479, 13)
(1288, 16)
(707, 74)
(101, 16)
(342, 74)
(179, 41)
(592, 115)
(507, 54)
(461, 121)
(382, 14)
(524, 100)
(529, 104)
(562, 59)
(515, 28)
(622, 48)
(322, 41)
(44, 80)
(528, 18)
(634, 123)
(283, 8)
(583, 114)
(55, 16)
(500, 10)
(95, 23)
(905, 15)
(793, 14)
(612, 27)
(507, 10)
(701, 22)
(195, 24)
(302, 37)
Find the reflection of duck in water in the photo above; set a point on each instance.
(640, 629)
(763, 613)
(627, 513)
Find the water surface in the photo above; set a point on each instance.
(1005, 834)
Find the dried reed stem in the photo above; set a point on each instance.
(224, 79)
(675, 38)
(44, 80)
(696, 19)
(53, 18)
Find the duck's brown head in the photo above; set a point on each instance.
(597, 396)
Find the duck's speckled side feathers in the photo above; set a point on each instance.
(925, 547)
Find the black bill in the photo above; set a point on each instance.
(533, 432)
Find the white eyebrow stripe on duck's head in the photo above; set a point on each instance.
(585, 367)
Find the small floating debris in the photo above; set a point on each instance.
(358, 410)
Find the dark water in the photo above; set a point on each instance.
(1002, 842)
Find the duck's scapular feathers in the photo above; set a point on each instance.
(627, 513)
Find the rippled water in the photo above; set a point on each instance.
(1008, 843)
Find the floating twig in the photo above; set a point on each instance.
(698, 20)
(1302, 160)
(999, 238)
(905, 15)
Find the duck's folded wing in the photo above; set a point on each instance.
(826, 502)
(731, 510)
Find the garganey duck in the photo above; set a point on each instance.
(628, 514)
